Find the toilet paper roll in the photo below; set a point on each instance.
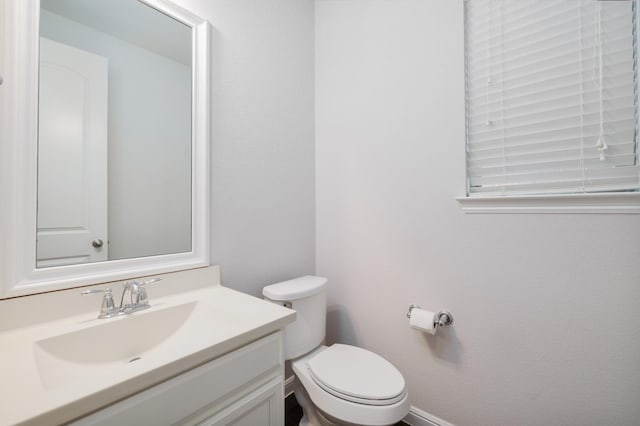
(422, 320)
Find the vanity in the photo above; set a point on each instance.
(203, 355)
(104, 160)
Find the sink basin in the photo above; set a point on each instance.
(120, 342)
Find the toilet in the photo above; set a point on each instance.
(338, 384)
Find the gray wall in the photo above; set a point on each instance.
(529, 345)
(262, 139)
(546, 306)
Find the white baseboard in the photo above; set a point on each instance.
(418, 417)
(288, 385)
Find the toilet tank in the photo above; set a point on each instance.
(308, 297)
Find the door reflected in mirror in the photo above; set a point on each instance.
(114, 132)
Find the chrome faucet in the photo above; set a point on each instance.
(134, 298)
(137, 293)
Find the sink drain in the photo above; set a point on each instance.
(134, 359)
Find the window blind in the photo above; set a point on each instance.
(552, 99)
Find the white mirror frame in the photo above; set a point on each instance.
(19, 38)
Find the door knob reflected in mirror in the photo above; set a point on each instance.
(97, 243)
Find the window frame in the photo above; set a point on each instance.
(622, 202)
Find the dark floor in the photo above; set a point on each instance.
(293, 412)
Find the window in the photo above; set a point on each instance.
(552, 98)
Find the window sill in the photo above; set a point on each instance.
(605, 203)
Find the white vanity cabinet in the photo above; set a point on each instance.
(245, 387)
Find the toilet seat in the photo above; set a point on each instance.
(357, 375)
(346, 404)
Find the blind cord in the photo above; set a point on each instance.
(580, 67)
(502, 109)
(601, 144)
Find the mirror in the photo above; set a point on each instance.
(108, 146)
(114, 132)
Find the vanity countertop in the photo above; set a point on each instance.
(227, 319)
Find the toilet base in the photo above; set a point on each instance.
(311, 415)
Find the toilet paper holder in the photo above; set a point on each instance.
(440, 319)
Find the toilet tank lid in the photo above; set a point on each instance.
(295, 289)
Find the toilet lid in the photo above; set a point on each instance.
(357, 375)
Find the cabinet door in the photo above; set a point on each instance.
(207, 390)
(263, 407)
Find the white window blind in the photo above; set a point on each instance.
(552, 102)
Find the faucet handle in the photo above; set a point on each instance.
(149, 281)
(91, 291)
(108, 308)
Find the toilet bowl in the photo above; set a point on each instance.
(338, 384)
